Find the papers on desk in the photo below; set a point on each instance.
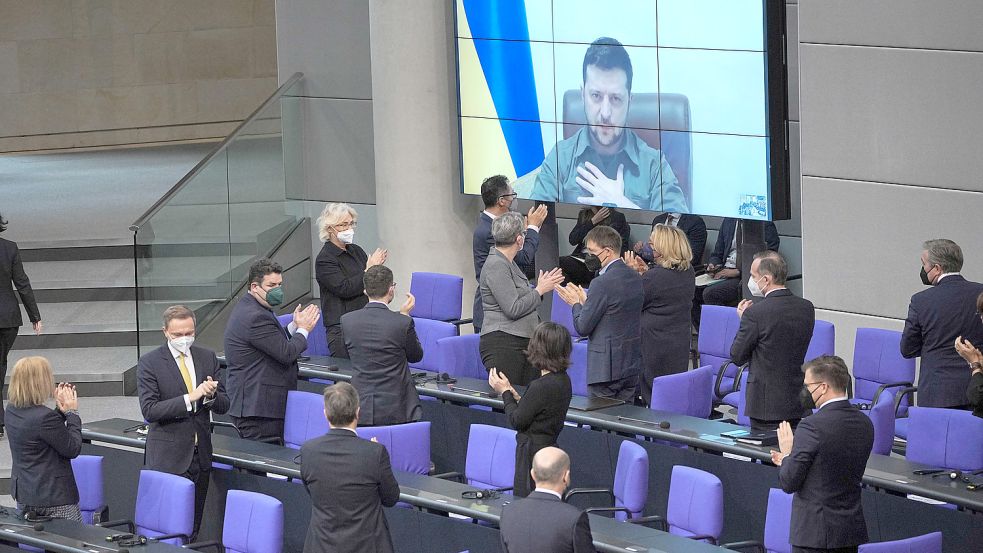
(923, 499)
(707, 279)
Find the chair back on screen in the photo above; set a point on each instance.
(878, 365)
(408, 444)
(718, 327)
(562, 314)
(687, 393)
(253, 523)
(823, 340)
(490, 460)
(317, 339)
(690, 487)
(438, 296)
(165, 505)
(926, 543)
(459, 356)
(946, 438)
(578, 369)
(304, 418)
(882, 416)
(89, 480)
(631, 480)
(778, 521)
(429, 332)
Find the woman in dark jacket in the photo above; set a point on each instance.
(573, 266)
(669, 287)
(972, 355)
(538, 417)
(43, 441)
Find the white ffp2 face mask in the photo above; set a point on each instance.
(347, 236)
(182, 344)
(752, 285)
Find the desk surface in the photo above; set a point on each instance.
(416, 489)
(890, 473)
(66, 536)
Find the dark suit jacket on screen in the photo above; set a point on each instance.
(350, 480)
(381, 344)
(12, 275)
(824, 470)
(936, 316)
(171, 440)
(611, 317)
(695, 229)
(774, 335)
(542, 522)
(43, 443)
(262, 361)
(725, 238)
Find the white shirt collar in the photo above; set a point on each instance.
(352, 430)
(605, 268)
(380, 302)
(943, 275)
(551, 492)
(835, 399)
(175, 353)
(490, 215)
(773, 289)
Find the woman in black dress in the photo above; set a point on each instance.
(669, 287)
(538, 417)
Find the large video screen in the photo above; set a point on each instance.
(662, 105)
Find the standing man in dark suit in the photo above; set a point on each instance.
(823, 463)
(349, 479)
(382, 343)
(542, 521)
(773, 337)
(262, 355)
(936, 317)
(12, 272)
(179, 386)
(723, 263)
(693, 225)
(610, 316)
(497, 196)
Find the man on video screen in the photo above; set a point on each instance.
(605, 163)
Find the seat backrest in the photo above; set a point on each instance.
(578, 369)
(687, 393)
(490, 460)
(253, 523)
(718, 327)
(696, 503)
(408, 444)
(165, 505)
(877, 360)
(459, 356)
(317, 338)
(89, 480)
(631, 479)
(823, 340)
(926, 543)
(438, 296)
(429, 332)
(562, 314)
(304, 418)
(778, 521)
(947, 438)
(882, 416)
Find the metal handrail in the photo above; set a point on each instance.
(142, 220)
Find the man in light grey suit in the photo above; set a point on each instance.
(610, 316)
(381, 344)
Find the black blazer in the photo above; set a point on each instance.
(339, 275)
(696, 230)
(43, 443)
(936, 316)
(824, 470)
(262, 361)
(665, 323)
(171, 440)
(350, 480)
(774, 335)
(482, 242)
(381, 344)
(537, 420)
(12, 274)
(974, 393)
(543, 523)
(616, 220)
(725, 237)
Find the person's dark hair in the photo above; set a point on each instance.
(377, 280)
(772, 263)
(607, 53)
(340, 404)
(831, 370)
(549, 347)
(3, 224)
(262, 268)
(605, 237)
(944, 253)
(493, 188)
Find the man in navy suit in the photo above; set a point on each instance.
(936, 317)
(542, 521)
(381, 344)
(823, 463)
(610, 317)
(497, 196)
(179, 386)
(262, 355)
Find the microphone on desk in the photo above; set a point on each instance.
(664, 425)
(444, 378)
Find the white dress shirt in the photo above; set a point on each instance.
(551, 492)
(190, 364)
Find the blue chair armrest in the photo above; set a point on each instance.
(909, 390)
(198, 546)
(749, 544)
(588, 491)
(886, 386)
(130, 526)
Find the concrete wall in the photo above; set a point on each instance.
(80, 73)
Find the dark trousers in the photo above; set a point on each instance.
(199, 475)
(625, 389)
(575, 271)
(761, 424)
(7, 337)
(336, 342)
(507, 353)
(853, 549)
(260, 429)
(478, 312)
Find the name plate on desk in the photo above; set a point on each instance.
(581, 403)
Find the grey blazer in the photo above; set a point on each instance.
(509, 303)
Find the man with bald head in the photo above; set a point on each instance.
(542, 521)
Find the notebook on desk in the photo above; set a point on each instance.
(753, 437)
(581, 403)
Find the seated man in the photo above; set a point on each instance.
(573, 266)
(542, 521)
(381, 343)
(694, 227)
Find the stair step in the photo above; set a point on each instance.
(106, 364)
(85, 317)
(86, 273)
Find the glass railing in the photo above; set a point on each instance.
(194, 245)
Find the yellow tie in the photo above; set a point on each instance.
(185, 373)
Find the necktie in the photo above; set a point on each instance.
(185, 373)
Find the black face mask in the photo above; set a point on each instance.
(925, 279)
(592, 262)
(805, 398)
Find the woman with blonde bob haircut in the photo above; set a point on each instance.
(669, 288)
(339, 270)
(43, 441)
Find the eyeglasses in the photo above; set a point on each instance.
(512, 195)
(807, 384)
(346, 226)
